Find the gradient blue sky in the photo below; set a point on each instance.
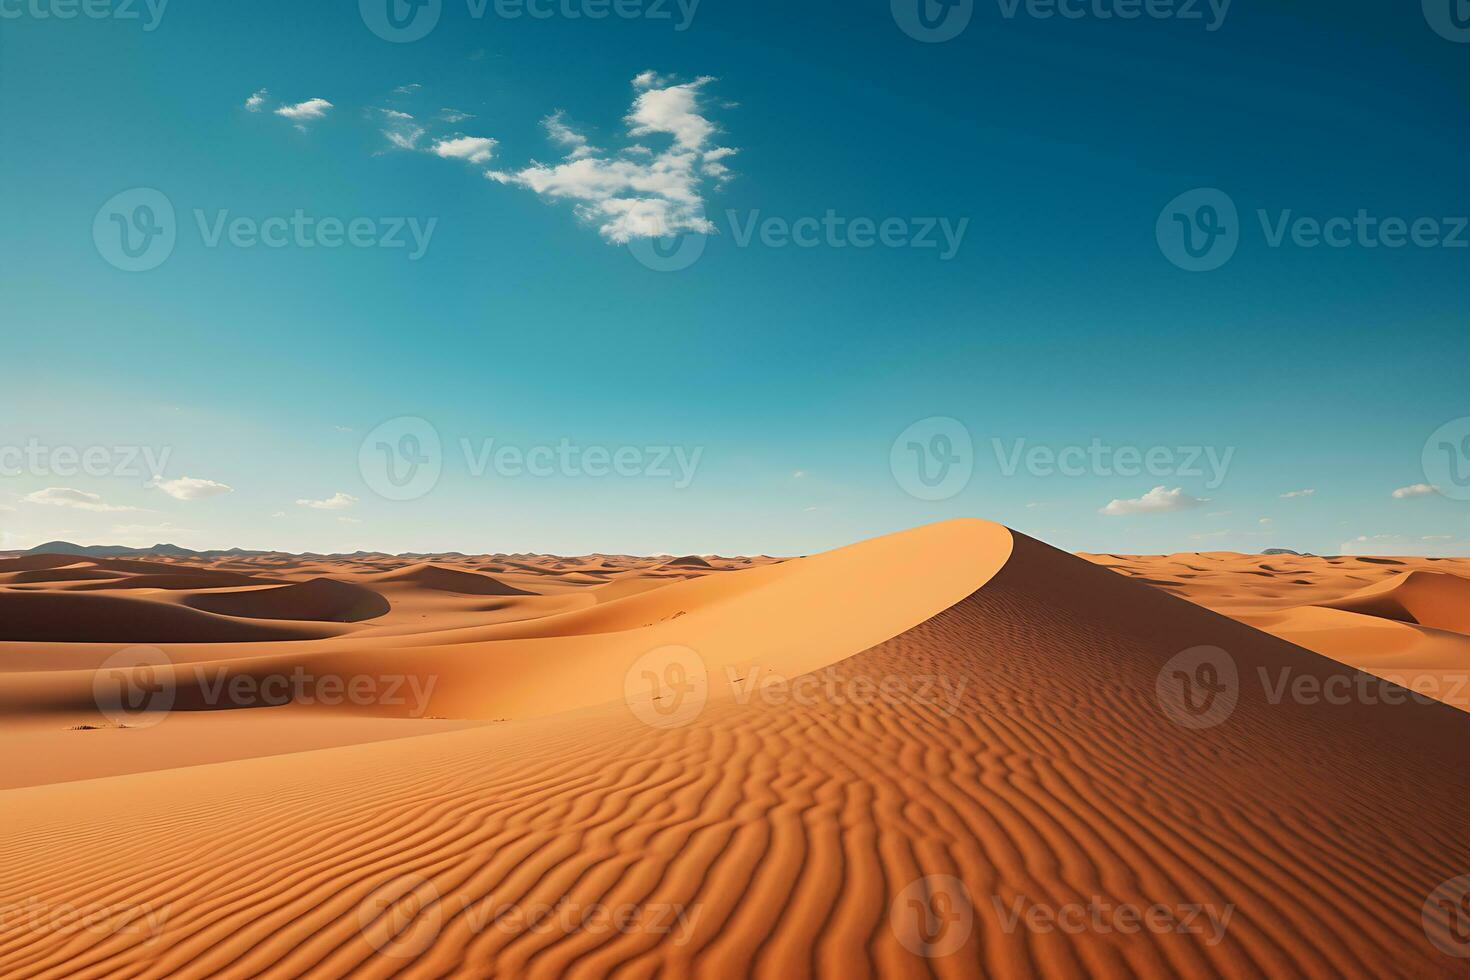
(1058, 321)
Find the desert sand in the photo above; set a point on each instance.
(951, 752)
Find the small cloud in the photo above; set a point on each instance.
(1159, 500)
(337, 501)
(454, 115)
(343, 428)
(1297, 493)
(1264, 520)
(303, 112)
(255, 101)
(349, 520)
(75, 499)
(473, 149)
(798, 474)
(279, 513)
(192, 488)
(408, 89)
(1413, 490)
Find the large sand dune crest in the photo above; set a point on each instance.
(1006, 754)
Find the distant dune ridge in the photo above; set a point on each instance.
(949, 752)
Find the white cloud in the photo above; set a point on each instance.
(408, 89)
(349, 520)
(255, 101)
(192, 488)
(75, 499)
(1157, 501)
(1297, 493)
(1413, 490)
(474, 149)
(337, 501)
(454, 115)
(637, 193)
(400, 128)
(1264, 520)
(303, 111)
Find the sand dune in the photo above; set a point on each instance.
(431, 576)
(1402, 619)
(69, 618)
(318, 599)
(949, 752)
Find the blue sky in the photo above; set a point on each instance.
(1048, 147)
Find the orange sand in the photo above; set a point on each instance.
(950, 752)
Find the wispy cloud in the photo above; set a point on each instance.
(192, 488)
(1297, 493)
(1434, 545)
(303, 112)
(1159, 500)
(1413, 490)
(637, 193)
(454, 115)
(337, 501)
(256, 100)
(74, 499)
(560, 133)
(400, 128)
